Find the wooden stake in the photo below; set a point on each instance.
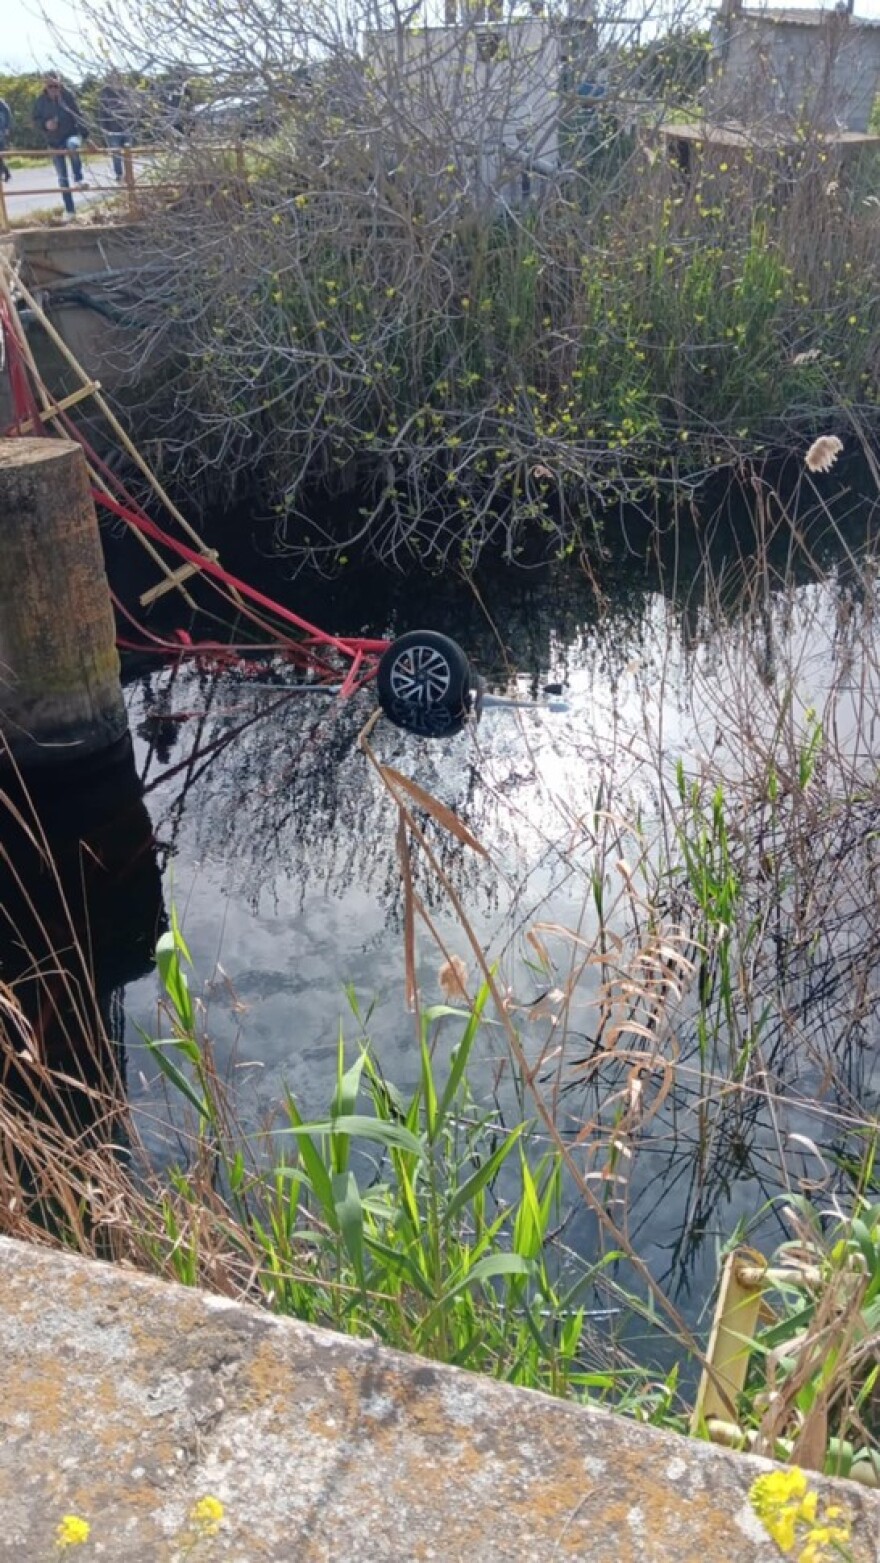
(60, 695)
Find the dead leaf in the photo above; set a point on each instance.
(811, 1444)
(823, 453)
(452, 977)
(439, 811)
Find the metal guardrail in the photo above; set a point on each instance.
(132, 177)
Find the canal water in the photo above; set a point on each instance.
(259, 819)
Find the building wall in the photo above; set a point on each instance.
(823, 73)
(485, 93)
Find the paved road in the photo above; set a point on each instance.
(35, 189)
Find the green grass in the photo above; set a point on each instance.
(420, 1220)
(20, 164)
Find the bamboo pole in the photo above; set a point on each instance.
(120, 433)
(59, 406)
(7, 271)
(183, 573)
(100, 401)
(50, 409)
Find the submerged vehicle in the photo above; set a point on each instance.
(424, 680)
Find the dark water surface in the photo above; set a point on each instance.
(276, 843)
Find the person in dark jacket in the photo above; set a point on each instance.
(115, 116)
(5, 133)
(57, 115)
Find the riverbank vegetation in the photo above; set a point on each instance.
(475, 283)
(500, 379)
(427, 1223)
(712, 1003)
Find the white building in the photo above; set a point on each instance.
(483, 92)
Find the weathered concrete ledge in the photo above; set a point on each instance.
(57, 261)
(125, 1400)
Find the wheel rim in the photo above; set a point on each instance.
(420, 676)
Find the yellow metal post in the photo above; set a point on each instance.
(733, 1330)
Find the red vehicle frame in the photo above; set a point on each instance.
(424, 680)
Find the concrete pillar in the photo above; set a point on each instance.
(60, 696)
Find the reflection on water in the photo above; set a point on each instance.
(278, 845)
(80, 911)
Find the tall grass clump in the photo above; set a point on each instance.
(419, 1220)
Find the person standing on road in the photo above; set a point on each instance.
(115, 119)
(5, 133)
(57, 115)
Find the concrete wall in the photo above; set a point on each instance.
(49, 254)
(126, 1400)
(52, 261)
(481, 91)
(821, 69)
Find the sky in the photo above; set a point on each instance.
(27, 42)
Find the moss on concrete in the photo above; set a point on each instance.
(127, 1399)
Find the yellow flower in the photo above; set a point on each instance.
(822, 1538)
(72, 1532)
(207, 1515)
(300, 201)
(782, 1526)
(780, 1500)
(807, 1510)
(778, 1487)
(786, 1506)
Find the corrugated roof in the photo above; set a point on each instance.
(801, 16)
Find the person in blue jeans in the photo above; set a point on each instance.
(5, 133)
(57, 116)
(115, 114)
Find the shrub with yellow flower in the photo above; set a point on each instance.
(72, 1531)
(788, 1509)
(206, 1515)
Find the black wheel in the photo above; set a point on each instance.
(424, 684)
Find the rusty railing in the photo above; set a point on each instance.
(128, 188)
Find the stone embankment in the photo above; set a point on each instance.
(127, 1400)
